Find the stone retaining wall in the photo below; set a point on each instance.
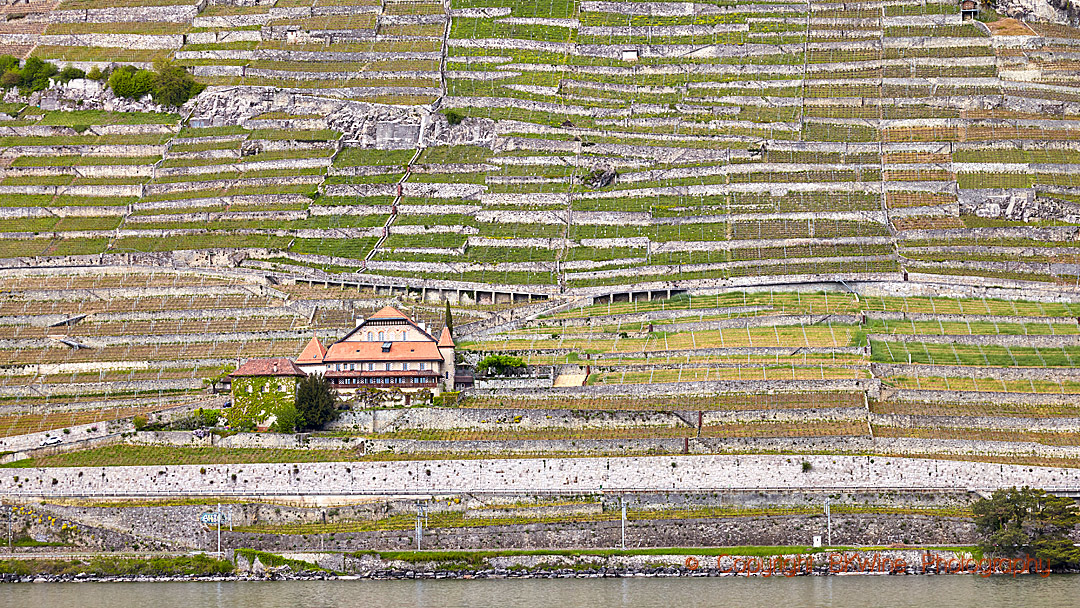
(131, 41)
(1043, 341)
(799, 530)
(685, 473)
(1051, 374)
(175, 14)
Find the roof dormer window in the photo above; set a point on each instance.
(386, 346)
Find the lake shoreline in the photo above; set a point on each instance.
(285, 574)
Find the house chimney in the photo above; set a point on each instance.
(275, 367)
(359, 321)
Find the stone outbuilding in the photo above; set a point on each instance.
(264, 392)
(969, 9)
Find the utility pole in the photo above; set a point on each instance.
(219, 530)
(828, 523)
(622, 499)
(419, 524)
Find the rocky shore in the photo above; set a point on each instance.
(284, 573)
(272, 574)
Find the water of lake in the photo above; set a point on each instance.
(845, 591)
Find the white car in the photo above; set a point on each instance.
(51, 441)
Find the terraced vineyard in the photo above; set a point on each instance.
(593, 144)
(788, 221)
(87, 348)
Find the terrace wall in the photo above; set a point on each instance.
(853, 529)
(576, 474)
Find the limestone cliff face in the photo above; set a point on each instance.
(1065, 12)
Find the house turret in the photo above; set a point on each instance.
(446, 349)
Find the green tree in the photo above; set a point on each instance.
(499, 364)
(9, 62)
(36, 74)
(216, 379)
(70, 73)
(10, 78)
(173, 85)
(130, 82)
(1026, 521)
(449, 320)
(315, 402)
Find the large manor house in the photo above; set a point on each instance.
(387, 350)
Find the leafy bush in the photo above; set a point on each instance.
(199, 564)
(499, 364)
(10, 78)
(454, 118)
(8, 62)
(139, 422)
(446, 399)
(95, 73)
(169, 84)
(273, 560)
(36, 74)
(288, 421)
(173, 85)
(70, 73)
(208, 417)
(131, 82)
(33, 76)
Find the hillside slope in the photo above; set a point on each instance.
(593, 144)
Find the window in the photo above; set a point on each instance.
(352, 367)
(423, 366)
(405, 335)
(370, 336)
(370, 367)
(381, 338)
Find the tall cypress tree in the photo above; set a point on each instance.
(315, 401)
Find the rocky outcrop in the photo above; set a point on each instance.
(1066, 12)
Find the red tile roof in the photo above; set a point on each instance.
(389, 312)
(445, 339)
(313, 352)
(372, 351)
(277, 366)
